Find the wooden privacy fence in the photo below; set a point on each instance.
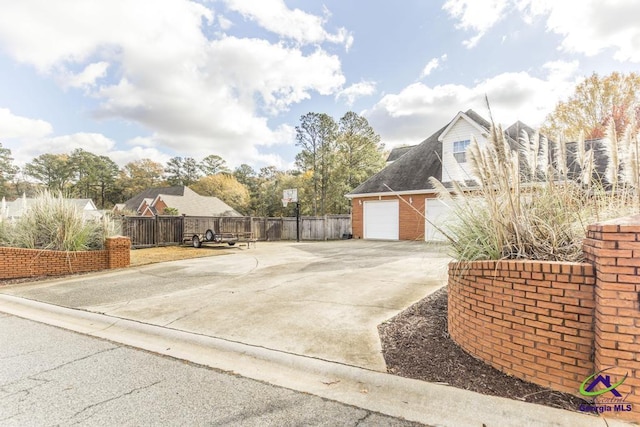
(169, 230)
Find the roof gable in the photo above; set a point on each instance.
(463, 116)
(134, 203)
(411, 172)
(192, 204)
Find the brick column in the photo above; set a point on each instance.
(118, 251)
(613, 247)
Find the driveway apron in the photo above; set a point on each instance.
(317, 299)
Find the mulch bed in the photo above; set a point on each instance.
(416, 344)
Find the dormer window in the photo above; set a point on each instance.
(460, 150)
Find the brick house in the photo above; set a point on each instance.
(154, 201)
(399, 203)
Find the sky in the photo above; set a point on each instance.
(134, 79)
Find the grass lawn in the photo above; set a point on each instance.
(173, 253)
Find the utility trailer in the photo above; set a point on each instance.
(200, 231)
(197, 240)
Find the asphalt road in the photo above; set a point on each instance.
(50, 376)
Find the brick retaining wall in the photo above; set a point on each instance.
(529, 319)
(19, 263)
(556, 324)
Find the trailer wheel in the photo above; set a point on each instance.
(231, 243)
(196, 242)
(208, 235)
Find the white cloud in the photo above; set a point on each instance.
(275, 16)
(594, 26)
(87, 77)
(476, 15)
(12, 126)
(433, 65)
(122, 157)
(224, 23)
(195, 95)
(95, 143)
(31, 146)
(82, 29)
(589, 28)
(281, 75)
(419, 110)
(355, 91)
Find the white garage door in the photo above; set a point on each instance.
(437, 213)
(381, 220)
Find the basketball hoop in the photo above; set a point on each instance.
(289, 196)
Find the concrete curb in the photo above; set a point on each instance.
(427, 403)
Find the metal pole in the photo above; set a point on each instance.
(297, 221)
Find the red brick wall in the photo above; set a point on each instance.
(18, 263)
(160, 206)
(411, 216)
(614, 248)
(555, 324)
(529, 319)
(357, 217)
(118, 251)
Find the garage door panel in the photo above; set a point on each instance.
(381, 220)
(438, 213)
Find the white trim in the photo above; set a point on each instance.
(405, 193)
(459, 116)
(148, 208)
(144, 201)
(389, 193)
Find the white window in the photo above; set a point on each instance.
(460, 150)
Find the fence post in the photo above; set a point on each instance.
(325, 225)
(155, 230)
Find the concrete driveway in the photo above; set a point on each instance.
(317, 299)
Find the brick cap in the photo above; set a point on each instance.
(626, 220)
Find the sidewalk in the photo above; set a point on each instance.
(427, 403)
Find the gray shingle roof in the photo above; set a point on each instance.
(151, 193)
(412, 170)
(185, 200)
(415, 165)
(193, 204)
(398, 152)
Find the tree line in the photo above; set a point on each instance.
(334, 158)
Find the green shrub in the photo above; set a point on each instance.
(525, 207)
(53, 223)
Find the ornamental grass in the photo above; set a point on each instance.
(533, 199)
(52, 223)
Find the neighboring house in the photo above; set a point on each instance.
(154, 201)
(399, 202)
(16, 208)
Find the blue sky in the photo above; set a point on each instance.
(163, 78)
